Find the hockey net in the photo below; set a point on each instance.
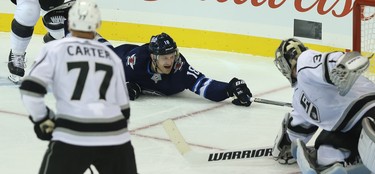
(364, 32)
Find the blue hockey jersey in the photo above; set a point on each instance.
(137, 64)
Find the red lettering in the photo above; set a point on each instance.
(272, 4)
(321, 5)
(255, 3)
(221, 0)
(347, 9)
(239, 2)
(298, 6)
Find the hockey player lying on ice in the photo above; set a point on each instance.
(157, 68)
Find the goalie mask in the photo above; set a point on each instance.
(286, 57)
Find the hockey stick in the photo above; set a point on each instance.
(232, 157)
(265, 101)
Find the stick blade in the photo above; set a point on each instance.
(176, 137)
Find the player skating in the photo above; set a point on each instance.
(26, 16)
(92, 106)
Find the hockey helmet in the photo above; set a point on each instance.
(286, 56)
(84, 16)
(162, 44)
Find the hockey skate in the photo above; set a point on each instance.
(16, 66)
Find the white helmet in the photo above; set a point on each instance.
(84, 16)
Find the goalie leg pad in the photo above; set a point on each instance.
(327, 155)
(282, 145)
(366, 145)
(307, 163)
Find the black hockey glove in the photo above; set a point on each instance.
(44, 128)
(239, 89)
(134, 90)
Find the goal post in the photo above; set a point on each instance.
(364, 31)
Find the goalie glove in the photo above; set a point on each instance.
(281, 150)
(348, 68)
(239, 89)
(44, 128)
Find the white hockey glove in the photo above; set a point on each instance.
(44, 128)
(281, 150)
(366, 144)
(348, 68)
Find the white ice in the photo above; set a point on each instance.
(206, 125)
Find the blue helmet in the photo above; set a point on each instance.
(162, 44)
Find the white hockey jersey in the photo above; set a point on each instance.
(316, 99)
(87, 79)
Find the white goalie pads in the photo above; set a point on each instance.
(366, 144)
(282, 144)
(348, 68)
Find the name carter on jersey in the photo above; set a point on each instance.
(87, 51)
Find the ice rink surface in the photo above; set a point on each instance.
(206, 125)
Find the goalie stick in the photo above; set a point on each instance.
(265, 101)
(232, 157)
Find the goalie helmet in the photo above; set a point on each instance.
(84, 16)
(162, 44)
(286, 57)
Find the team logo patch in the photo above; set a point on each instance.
(178, 65)
(131, 60)
(156, 77)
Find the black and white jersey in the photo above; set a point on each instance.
(88, 82)
(316, 99)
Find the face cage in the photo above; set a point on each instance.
(284, 67)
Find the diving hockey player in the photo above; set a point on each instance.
(159, 68)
